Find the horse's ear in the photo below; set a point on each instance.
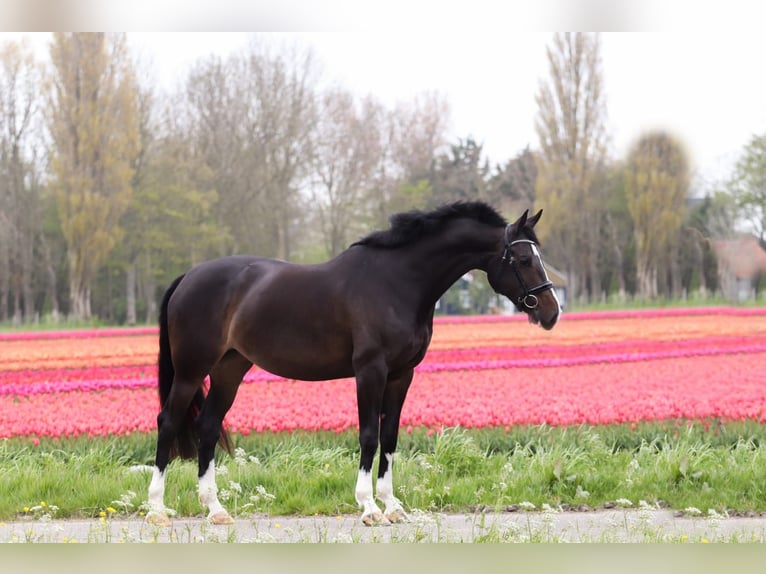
(521, 221)
(535, 218)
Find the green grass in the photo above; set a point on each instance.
(49, 324)
(705, 465)
(615, 303)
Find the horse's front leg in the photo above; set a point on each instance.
(370, 384)
(393, 400)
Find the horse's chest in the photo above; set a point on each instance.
(411, 349)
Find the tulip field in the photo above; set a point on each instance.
(596, 368)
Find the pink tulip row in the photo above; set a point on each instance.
(31, 382)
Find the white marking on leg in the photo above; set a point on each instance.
(394, 510)
(157, 491)
(208, 491)
(364, 496)
(158, 514)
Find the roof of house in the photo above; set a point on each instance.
(556, 277)
(744, 256)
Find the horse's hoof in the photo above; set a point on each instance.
(397, 516)
(375, 519)
(220, 518)
(156, 518)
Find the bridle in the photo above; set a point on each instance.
(529, 298)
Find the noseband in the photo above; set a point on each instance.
(529, 298)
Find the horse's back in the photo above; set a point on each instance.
(210, 284)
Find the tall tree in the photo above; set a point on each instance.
(171, 220)
(618, 267)
(20, 225)
(513, 185)
(347, 151)
(461, 174)
(415, 133)
(656, 185)
(135, 241)
(92, 122)
(570, 125)
(252, 117)
(748, 184)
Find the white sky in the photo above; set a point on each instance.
(706, 87)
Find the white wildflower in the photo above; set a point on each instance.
(240, 456)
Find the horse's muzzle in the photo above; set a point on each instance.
(546, 314)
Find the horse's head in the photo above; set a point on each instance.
(519, 274)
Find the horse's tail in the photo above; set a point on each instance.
(184, 443)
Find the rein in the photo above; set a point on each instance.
(529, 298)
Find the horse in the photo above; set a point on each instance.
(367, 314)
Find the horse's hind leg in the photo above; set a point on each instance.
(169, 423)
(393, 400)
(225, 378)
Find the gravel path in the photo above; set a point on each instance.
(630, 525)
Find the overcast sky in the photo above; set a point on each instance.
(707, 88)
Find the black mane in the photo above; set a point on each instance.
(410, 226)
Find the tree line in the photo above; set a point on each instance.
(110, 188)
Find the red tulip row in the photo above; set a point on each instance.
(596, 369)
(728, 386)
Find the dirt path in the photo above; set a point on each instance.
(647, 525)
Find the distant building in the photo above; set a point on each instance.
(741, 263)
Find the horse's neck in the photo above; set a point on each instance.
(439, 263)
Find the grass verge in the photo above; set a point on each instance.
(679, 464)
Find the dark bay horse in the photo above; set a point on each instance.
(367, 313)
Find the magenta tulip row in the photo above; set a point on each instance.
(32, 382)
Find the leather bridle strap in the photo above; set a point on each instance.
(529, 298)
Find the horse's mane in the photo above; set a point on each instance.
(410, 226)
